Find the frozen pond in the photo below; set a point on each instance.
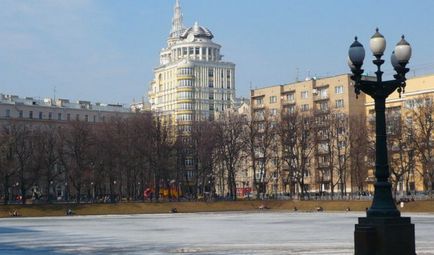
(198, 233)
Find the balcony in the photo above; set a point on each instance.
(320, 111)
(288, 101)
(321, 98)
(185, 76)
(323, 179)
(258, 106)
(323, 165)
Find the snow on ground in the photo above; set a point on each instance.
(195, 233)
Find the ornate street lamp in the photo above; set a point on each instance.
(383, 231)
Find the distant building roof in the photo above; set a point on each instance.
(62, 103)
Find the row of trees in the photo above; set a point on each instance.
(122, 158)
(411, 146)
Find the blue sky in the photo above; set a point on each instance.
(105, 50)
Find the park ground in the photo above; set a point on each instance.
(42, 210)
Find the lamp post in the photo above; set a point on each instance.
(383, 230)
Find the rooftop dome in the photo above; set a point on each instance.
(197, 31)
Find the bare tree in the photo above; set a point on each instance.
(358, 151)
(77, 159)
(297, 145)
(250, 138)
(48, 151)
(203, 145)
(261, 140)
(230, 145)
(161, 151)
(401, 150)
(23, 150)
(340, 145)
(423, 116)
(7, 162)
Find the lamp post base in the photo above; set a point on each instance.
(384, 236)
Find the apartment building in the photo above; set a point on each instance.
(410, 131)
(319, 98)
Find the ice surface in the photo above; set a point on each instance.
(196, 233)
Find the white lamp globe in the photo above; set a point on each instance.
(377, 43)
(403, 51)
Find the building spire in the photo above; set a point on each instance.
(177, 26)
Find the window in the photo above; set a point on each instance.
(290, 97)
(273, 99)
(20, 114)
(211, 96)
(304, 94)
(77, 117)
(86, 118)
(339, 103)
(342, 144)
(304, 107)
(339, 89)
(323, 106)
(322, 93)
(190, 175)
(210, 72)
(185, 106)
(185, 83)
(31, 115)
(259, 115)
(50, 115)
(323, 147)
(184, 117)
(188, 162)
(8, 113)
(273, 112)
(40, 115)
(94, 118)
(59, 116)
(185, 95)
(211, 84)
(290, 109)
(259, 101)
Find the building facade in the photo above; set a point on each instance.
(59, 110)
(410, 131)
(318, 98)
(192, 82)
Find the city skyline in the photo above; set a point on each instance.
(106, 51)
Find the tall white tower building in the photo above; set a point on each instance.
(191, 82)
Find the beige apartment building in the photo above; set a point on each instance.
(324, 96)
(318, 97)
(409, 116)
